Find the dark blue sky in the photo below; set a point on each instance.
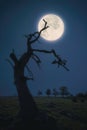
(19, 17)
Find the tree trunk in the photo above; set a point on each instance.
(27, 105)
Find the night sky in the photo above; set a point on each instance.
(19, 17)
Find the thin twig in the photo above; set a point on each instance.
(10, 63)
(30, 72)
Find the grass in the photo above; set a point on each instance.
(69, 115)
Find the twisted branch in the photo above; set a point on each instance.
(29, 37)
(58, 60)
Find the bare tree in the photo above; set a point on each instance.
(27, 105)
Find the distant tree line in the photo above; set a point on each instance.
(63, 92)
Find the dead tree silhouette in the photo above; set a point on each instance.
(27, 104)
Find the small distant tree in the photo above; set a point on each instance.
(64, 91)
(48, 92)
(55, 92)
(39, 93)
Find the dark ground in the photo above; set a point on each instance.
(55, 114)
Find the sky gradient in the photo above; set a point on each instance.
(19, 17)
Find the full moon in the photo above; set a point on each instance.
(55, 29)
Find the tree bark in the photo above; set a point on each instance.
(28, 107)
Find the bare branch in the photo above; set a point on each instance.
(24, 78)
(36, 59)
(27, 78)
(58, 60)
(10, 63)
(29, 37)
(13, 57)
(30, 72)
(65, 67)
(44, 51)
(45, 26)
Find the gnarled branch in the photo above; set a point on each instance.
(58, 60)
(29, 37)
(26, 56)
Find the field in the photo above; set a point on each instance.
(69, 115)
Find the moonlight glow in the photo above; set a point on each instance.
(56, 27)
